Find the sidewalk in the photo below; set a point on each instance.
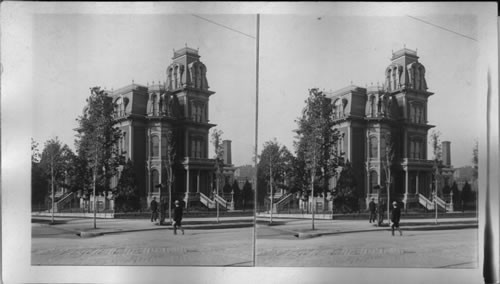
(303, 228)
(84, 227)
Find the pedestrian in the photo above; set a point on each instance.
(373, 210)
(395, 218)
(177, 217)
(154, 210)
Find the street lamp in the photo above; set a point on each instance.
(216, 195)
(52, 185)
(271, 188)
(435, 192)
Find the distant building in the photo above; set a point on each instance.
(178, 107)
(464, 175)
(245, 173)
(372, 119)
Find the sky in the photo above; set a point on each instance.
(73, 52)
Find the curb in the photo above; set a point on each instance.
(167, 227)
(308, 235)
(89, 234)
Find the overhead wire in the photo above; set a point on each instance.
(443, 28)
(224, 26)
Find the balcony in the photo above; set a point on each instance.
(417, 162)
(198, 163)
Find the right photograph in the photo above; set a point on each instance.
(368, 141)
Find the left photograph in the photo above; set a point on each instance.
(142, 145)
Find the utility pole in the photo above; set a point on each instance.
(271, 188)
(52, 185)
(312, 186)
(435, 196)
(256, 134)
(94, 182)
(217, 189)
(169, 200)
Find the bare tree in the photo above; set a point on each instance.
(388, 163)
(219, 163)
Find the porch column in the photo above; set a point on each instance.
(416, 189)
(198, 182)
(407, 174)
(187, 187)
(211, 184)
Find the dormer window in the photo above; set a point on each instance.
(339, 108)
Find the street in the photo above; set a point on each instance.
(53, 245)
(415, 249)
(285, 243)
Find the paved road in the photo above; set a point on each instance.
(339, 243)
(415, 249)
(53, 245)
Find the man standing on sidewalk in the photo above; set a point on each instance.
(177, 217)
(395, 218)
(373, 210)
(154, 209)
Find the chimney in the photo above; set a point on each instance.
(226, 147)
(445, 147)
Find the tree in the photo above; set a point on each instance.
(300, 178)
(39, 180)
(235, 189)
(247, 193)
(227, 187)
(388, 165)
(345, 194)
(467, 195)
(35, 152)
(316, 140)
(436, 145)
(436, 150)
(456, 195)
(169, 168)
(97, 141)
(274, 162)
(79, 176)
(219, 163)
(475, 160)
(55, 161)
(126, 193)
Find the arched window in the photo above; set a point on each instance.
(169, 78)
(155, 146)
(373, 147)
(417, 78)
(373, 106)
(154, 104)
(176, 77)
(336, 109)
(198, 77)
(394, 81)
(123, 143)
(155, 180)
